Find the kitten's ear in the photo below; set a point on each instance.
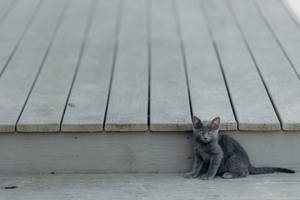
(197, 122)
(216, 122)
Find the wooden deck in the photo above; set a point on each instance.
(140, 65)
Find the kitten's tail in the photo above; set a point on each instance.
(268, 170)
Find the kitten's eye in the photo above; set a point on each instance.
(210, 131)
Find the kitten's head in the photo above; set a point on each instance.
(206, 131)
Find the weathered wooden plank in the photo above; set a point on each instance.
(208, 91)
(5, 7)
(253, 108)
(169, 101)
(128, 105)
(45, 106)
(285, 29)
(280, 79)
(87, 103)
(13, 27)
(18, 78)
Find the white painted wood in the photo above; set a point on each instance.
(285, 29)
(19, 76)
(282, 82)
(87, 103)
(128, 105)
(209, 97)
(169, 101)
(13, 26)
(131, 152)
(45, 106)
(253, 108)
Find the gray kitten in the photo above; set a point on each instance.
(220, 154)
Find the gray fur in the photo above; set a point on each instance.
(217, 154)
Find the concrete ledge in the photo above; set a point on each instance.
(148, 187)
(131, 152)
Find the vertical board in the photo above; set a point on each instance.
(207, 87)
(19, 76)
(13, 27)
(128, 104)
(86, 107)
(253, 108)
(282, 82)
(136, 152)
(45, 106)
(285, 29)
(169, 101)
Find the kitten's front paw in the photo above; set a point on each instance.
(206, 177)
(189, 175)
(227, 175)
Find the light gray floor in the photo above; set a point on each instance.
(148, 186)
